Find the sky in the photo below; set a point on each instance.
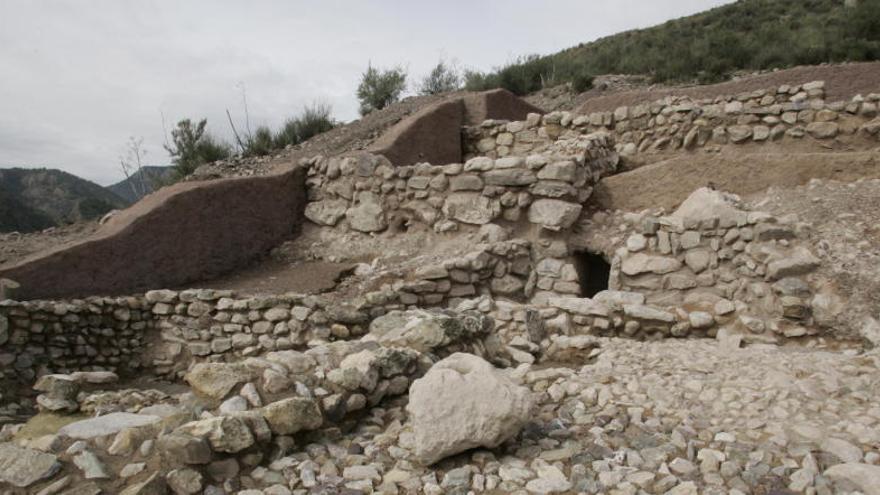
(79, 78)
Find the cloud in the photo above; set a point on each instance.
(79, 78)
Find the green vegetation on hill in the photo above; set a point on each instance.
(35, 199)
(708, 47)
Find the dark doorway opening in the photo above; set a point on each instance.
(593, 272)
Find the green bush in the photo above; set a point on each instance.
(192, 147)
(378, 89)
(442, 79)
(314, 120)
(261, 143)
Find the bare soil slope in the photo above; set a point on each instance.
(667, 183)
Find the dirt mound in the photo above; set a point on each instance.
(669, 182)
(171, 237)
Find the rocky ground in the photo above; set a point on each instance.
(668, 417)
(15, 246)
(845, 220)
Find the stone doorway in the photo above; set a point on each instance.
(593, 272)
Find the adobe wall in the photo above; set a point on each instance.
(183, 233)
(433, 135)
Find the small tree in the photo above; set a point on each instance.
(378, 89)
(442, 79)
(192, 147)
(132, 166)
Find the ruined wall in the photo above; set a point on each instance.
(433, 134)
(787, 112)
(367, 194)
(748, 271)
(183, 233)
(63, 336)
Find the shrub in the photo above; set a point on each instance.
(378, 89)
(442, 79)
(582, 82)
(192, 147)
(261, 143)
(314, 120)
(708, 47)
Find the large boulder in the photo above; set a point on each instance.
(289, 416)
(216, 380)
(426, 331)
(705, 204)
(224, 433)
(23, 467)
(472, 208)
(463, 402)
(645, 263)
(368, 216)
(108, 424)
(865, 476)
(326, 212)
(554, 214)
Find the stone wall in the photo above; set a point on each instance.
(64, 336)
(787, 112)
(747, 271)
(367, 194)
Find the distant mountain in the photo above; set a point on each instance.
(131, 188)
(35, 199)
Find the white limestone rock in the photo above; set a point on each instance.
(327, 212)
(23, 467)
(553, 214)
(865, 476)
(705, 204)
(463, 402)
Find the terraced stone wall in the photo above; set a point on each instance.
(786, 112)
(366, 193)
(747, 271)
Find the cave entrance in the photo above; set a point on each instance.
(593, 273)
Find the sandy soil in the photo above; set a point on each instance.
(15, 246)
(277, 277)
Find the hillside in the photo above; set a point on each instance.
(34, 199)
(134, 188)
(709, 46)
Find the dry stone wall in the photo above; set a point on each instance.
(786, 112)
(63, 336)
(747, 271)
(367, 194)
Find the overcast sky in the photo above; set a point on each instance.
(77, 78)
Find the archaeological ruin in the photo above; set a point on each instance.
(619, 302)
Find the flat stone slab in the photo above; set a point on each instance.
(23, 467)
(106, 425)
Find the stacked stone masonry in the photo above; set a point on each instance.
(786, 112)
(367, 194)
